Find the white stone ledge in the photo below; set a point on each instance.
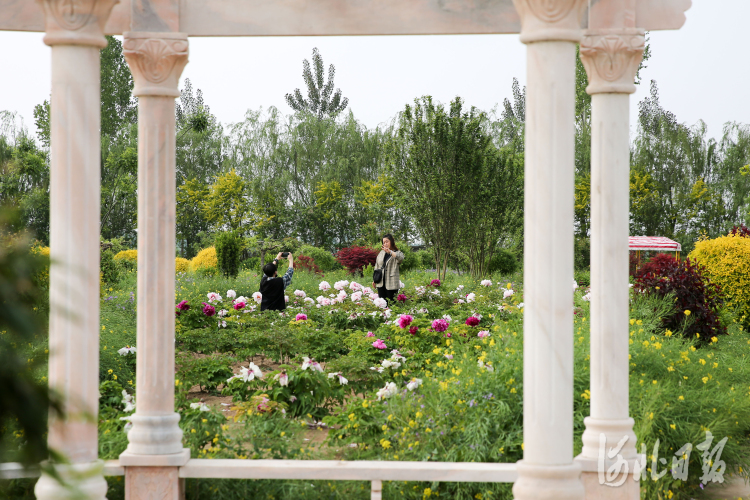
(336, 470)
(354, 470)
(13, 470)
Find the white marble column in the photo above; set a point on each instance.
(76, 36)
(155, 440)
(611, 58)
(550, 28)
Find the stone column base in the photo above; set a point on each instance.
(80, 481)
(150, 483)
(548, 482)
(601, 485)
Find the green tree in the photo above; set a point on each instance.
(227, 206)
(118, 106)
(436, 155)
(119, 188)
(321, 100)
(199, 137)
(190, 219)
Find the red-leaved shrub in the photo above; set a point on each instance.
(355, 258)
(741, 230)
(693, 291)
(305, 263)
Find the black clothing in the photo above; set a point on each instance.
(272, 290)
(386, 294)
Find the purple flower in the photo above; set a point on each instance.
(301, 317)
(440, 325)
(435, 283)
(370, 334)
(472, 321)
(183, 306)
(401, 297)
(239, 305)
(405, 320)
(208, 309)
(413, 330)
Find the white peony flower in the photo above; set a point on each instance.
(389, 390)
(128, 401)
(471, 297)
(248, 374)
(300, 293)
(354, 286)
(257, 297)
(508, 293)
(381, 303)
(283, 379)
(309, 300)
(520, 305)
(324, 286)
(340, 285)
(231, 294)
(222, 313)
(401, 284)
(213, 297)
(587, 297)
(356, 296)
(200, 406)
(126, 350)
(414, 383)
(575, 285)
(486, 283)
(312, 364)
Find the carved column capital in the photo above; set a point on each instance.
(76, 22)
(156, 61)
(550, 20)
(611, 59)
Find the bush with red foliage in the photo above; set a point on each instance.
(740, 230)
(356, 258)
(305, 263)
(694, 292)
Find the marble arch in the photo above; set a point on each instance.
(156, 45)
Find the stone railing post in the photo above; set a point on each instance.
(155, 441)
(75, 33)
(611, 58)
(550, 29)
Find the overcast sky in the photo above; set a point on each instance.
(703, 70)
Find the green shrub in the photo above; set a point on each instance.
(582, 254)
(426, 259)
(228, 251)
(323, 258)
(503, 262)
(583, 278)
(109, 268)
(205, 372)
(253, 264)
(411, 259)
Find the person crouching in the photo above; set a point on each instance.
(272, 287)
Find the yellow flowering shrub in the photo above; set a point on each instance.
(727, 263)
(42, 277)
(181, 265)
(205, 260)
(127, 255)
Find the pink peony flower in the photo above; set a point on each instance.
(401, 297)
(301, 317)
(483, 334)
(370, 334)
(413, 330)
(472, 321)
(435, 283)
(405, 320)
(183, 306)
(208, 309)
(440, 325)
(239, 305)
(379, 344)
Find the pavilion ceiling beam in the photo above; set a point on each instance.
(324, 17)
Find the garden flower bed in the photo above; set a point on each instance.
(436, 375)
